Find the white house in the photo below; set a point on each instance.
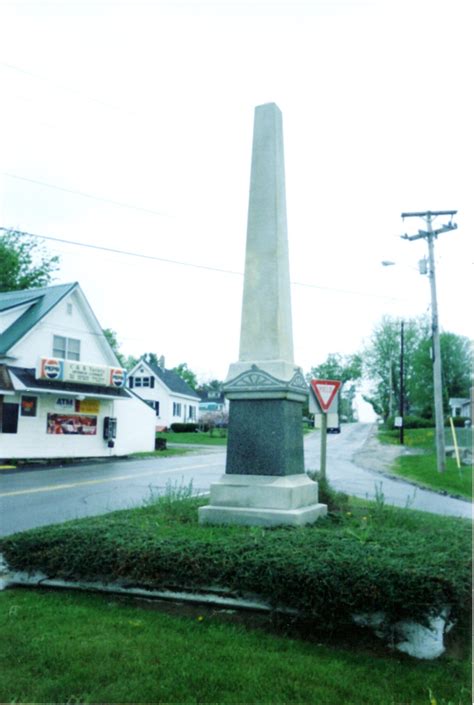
(460, 407)
(173, 400)
(62, 390)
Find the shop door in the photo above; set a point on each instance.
(10, 418)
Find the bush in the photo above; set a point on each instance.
(459, 422)
(160, 443)
(398, 562)
(410, 422)
(184, 427)
(336, 501)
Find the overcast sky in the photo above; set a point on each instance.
(128, 125)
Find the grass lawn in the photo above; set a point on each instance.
(422, 468)
(218, 437)
(168, 453)
(64, 647)
(198, 437)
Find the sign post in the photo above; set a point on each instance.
(325, 393)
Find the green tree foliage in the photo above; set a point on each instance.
(185, 373)
(214, 385)
(382, 367)
(24, 262)
(345, 368)
(112, 339)
(341, 367)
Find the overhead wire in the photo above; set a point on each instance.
(183, 263)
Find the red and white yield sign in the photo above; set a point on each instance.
(325, 391)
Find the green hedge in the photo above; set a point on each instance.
(410, 422)
(184, 427)
(407, 566)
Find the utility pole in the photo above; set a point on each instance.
(402, 388)
(430, 236)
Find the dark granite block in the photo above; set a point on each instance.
(265, 437)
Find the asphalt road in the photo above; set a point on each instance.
(31, 498)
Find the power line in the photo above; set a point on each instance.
(122, 252)
(86, 195)
(56, 84)
(182, 263)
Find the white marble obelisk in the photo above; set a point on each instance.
(266, 334)
(265, 482)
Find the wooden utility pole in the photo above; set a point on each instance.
(430, 236)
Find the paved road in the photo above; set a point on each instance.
(38, 497)
(352, 457)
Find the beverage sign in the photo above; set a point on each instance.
(56, 369)
(325, 391)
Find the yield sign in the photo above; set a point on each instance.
(325, 391)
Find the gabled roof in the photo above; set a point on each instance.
(41, 300)
(170, 379)
(173, 381)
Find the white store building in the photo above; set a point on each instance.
(62, 391)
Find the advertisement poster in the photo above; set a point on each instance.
(87, 406)
(68, 424)
(28, 405)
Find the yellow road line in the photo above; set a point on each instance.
(116, 478)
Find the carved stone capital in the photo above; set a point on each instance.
(256, 383)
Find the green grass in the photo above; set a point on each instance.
(422, 468)
(79, 648)
(168, 453)
(199, 437)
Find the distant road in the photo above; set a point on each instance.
(39, 497)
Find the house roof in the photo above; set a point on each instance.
(42, 301)
(172, 380)
(27, 377)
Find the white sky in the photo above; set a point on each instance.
(150, 104)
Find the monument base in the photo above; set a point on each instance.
(263, 500)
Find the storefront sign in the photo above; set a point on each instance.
(28, 405)
(87, 406)
(55, 369)
(68, 424)
(64, 404)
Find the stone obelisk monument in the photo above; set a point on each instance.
(264, 482)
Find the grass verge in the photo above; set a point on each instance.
(168, 453)
(422, 468)
(79, 648)
(198, 437)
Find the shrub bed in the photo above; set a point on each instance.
(404, 563)
(184, 427)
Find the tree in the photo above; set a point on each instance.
(382, 363)
(382, 367)
(341, 367)
(112, 339)
(185, 373)
(24, 262)
(344, 368)
(214, 385)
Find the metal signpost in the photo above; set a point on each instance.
(323, 399)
